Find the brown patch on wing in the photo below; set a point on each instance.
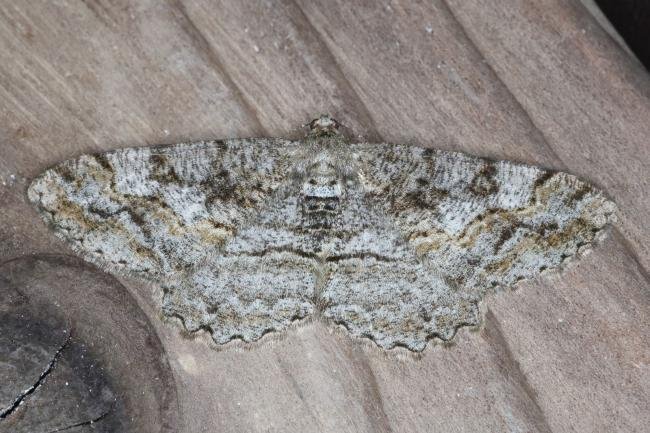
(484, 182)
(161, 170)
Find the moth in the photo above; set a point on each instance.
(397, 243)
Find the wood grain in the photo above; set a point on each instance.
(532, 81)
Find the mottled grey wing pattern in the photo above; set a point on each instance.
(157, 211)
(243, 296)
(471, 225)
(165, 213)
(397, 303)
(477, 224)
(396, 243)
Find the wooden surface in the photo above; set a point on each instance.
(532, 81)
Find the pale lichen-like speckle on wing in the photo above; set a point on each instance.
(397, 243)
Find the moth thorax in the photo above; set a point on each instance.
(322, 191)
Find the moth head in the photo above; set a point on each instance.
(324, 126)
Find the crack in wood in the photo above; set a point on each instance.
(364, 115)
(560, 164)
(210, 55)
(41, 379)
(512, 371)
(631, 252)
(87, 422)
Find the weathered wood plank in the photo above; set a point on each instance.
(590, 99)
(509, 80)
(98, 358)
